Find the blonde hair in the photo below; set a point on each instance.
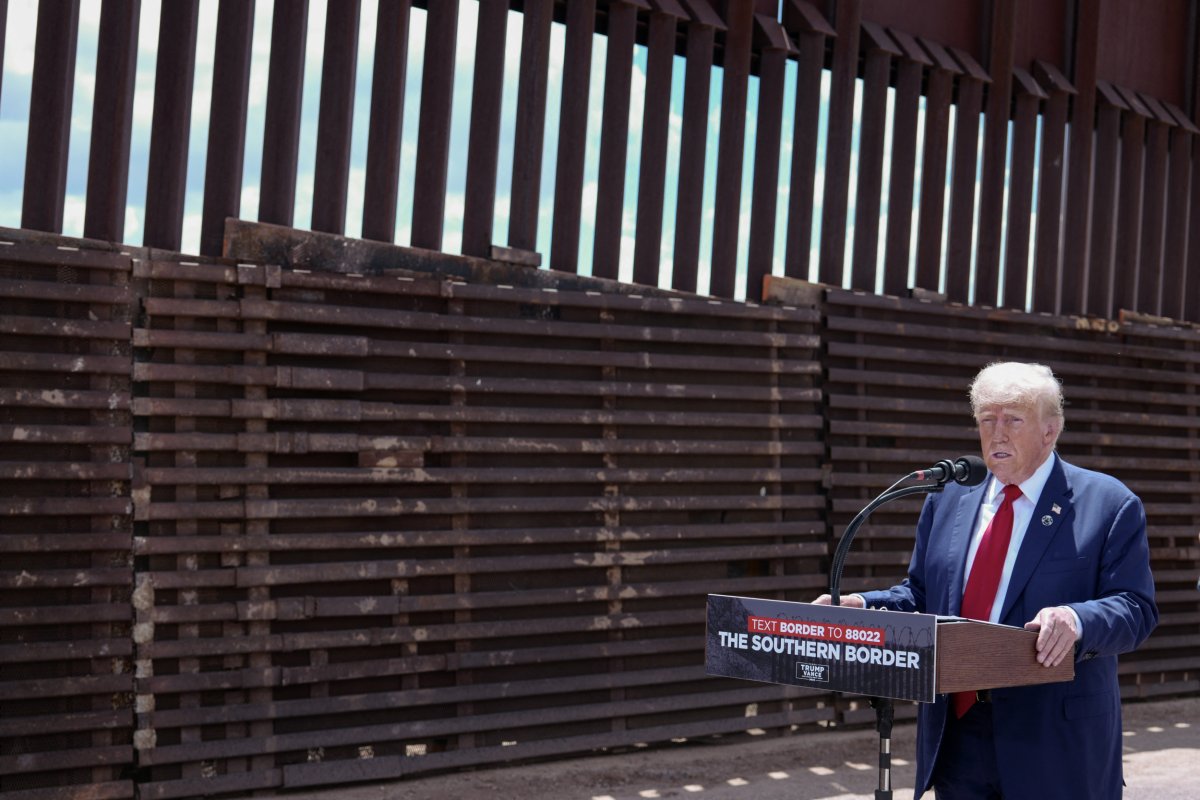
(1013, 383)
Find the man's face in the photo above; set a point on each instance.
(1014, 440)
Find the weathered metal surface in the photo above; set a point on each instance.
(387, 120)
(166, 184)
(108, 166)
(67, 683)
(285, 90)
(50, 115)
(357, 510)
(331, 176)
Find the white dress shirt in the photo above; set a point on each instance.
(1023, 507)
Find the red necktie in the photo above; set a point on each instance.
(985, 575)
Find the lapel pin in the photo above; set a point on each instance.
(1047, 520)
(1056, 508)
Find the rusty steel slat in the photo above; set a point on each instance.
(49, 137)
(652, 175)
(328, 476)
(1098, 298)
(433, 134)
(898, 242)
(614, 136)
(331, 176)
(191, 407)
(64, 543)
(115, 576)
(764, 200)
(70, 364)
(207, 340)
(1080, 226)
(237, 783)
(805, 123)
(65, 434)
(54, 760)
(296, 410)
(3, 25)
(246, 678)
(166, 185)
(96, 790)
(61, 398)
(961, 220)
(484, 386)
(385, 636)
(387, 120)
(529, 136)
(62, 255)
(689, 196)
(65, 292)
(281, 131)
(64, 328)
(572, 136)
(148, 545)
(1047, 268)
(483, 154)
(386, 506)
(94, 721)
(79, 649)
(1000, 31)
(731, 145)
(879, 51)
(112, 121)
(346, 571)
(289, 377)
(836, 190)
(354, 380)
(1191, 288)
(227, 122)
(1130, 205)
(185, 271)
(1149, 297)
(171, 307)
(61, 470)
(938, 95)
(1175, 276)
(65, 615)
(1020, 191)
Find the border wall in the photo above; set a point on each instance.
(329, 510)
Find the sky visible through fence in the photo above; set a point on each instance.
(14, 122)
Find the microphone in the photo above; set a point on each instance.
(967, 470)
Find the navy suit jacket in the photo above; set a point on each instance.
(1086, 548)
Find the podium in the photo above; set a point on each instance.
(979, 655)
(876, 653)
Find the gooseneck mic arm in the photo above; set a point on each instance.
(967, 470)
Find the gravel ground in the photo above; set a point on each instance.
(1162, 762)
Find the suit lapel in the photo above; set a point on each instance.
(960, 541)
(1053, 506)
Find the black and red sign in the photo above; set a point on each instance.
(876, 653)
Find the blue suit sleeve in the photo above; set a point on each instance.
(910, 594)
(1123, 612)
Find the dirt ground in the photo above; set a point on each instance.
(1162, 762)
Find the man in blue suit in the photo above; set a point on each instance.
(1065, 556)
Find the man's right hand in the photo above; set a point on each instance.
(848, 600)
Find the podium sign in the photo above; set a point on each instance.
(833, 648)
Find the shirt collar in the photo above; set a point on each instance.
(1031, 487)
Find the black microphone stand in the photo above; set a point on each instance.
(884, 708)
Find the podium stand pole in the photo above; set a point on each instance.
(884, 714)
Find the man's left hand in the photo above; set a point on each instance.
(1056, 634)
